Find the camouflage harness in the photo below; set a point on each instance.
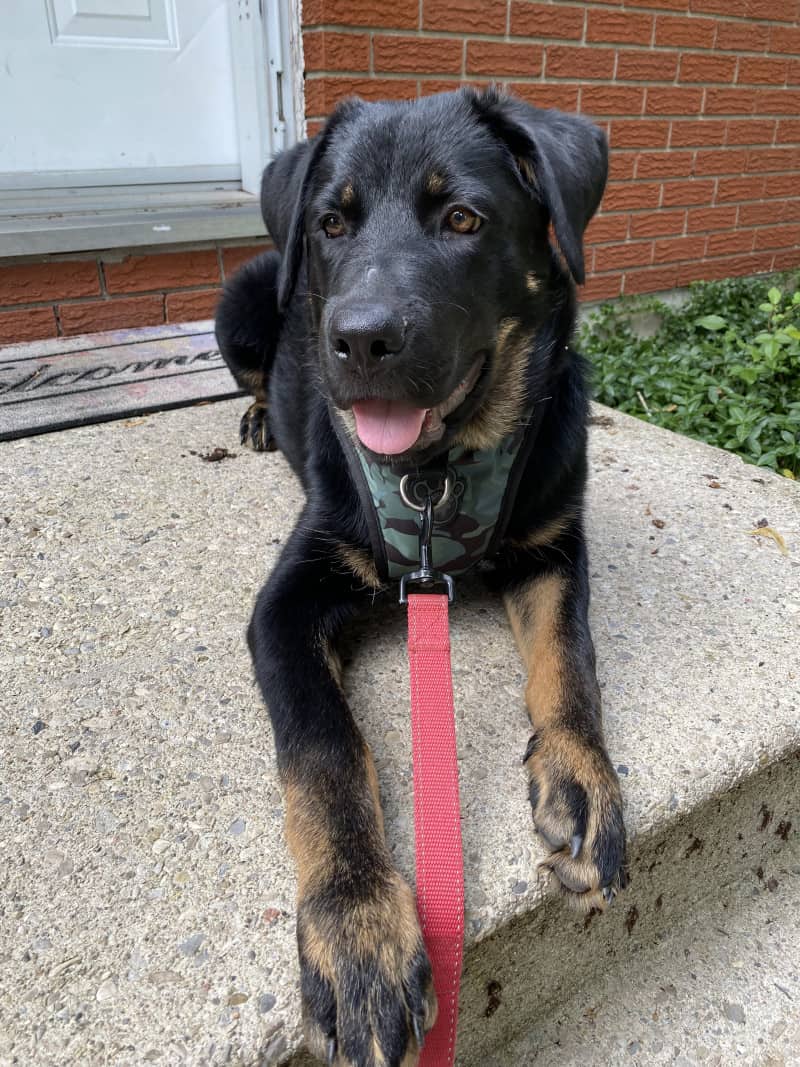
(468, 522)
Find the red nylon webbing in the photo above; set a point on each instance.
(437, 821)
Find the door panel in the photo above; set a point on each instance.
(95, 85)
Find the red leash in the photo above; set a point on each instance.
(440, 865)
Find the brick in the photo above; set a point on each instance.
(762, 70)
(743, 37)
(27, 324)
(738, 240)
(664, 165)
(697, 132)
(672, 101)
(546, 20)
(327, 50)
(675, 249)
(750, 131)
(605, 228)
(733, 266)
(685, 32)
(313, 127)
(777, 237)
(431, 86)
(657, 224)
(628, 196)
(763, 213)
(733, 189)
(166, 270)
(774, 10)
(649, 281)
(612, 99)
(718, 7)
(564, 97)
(765, 159)
(646, 66)
(570, 61)
(788, 259)
(488, 57)
(602, 287)
(780, 185)
(465, 16)
(783, 39)
(664, 5)
(778, 101)
(322, 94)
(621, 166)
(721, 161)
(629, 254)
(399, 14)
(29, 283)
(730, 101)
(618, 27)
(111, 314)
(639, 133)
(703, 219)
(416, 55)
(680, 193)
(187, 307)
(235, 257)
(699, 68)
(788, 130)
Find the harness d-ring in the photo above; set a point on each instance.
(446, 490)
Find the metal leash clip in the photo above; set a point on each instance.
(426, 576)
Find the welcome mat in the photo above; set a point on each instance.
(71, 381)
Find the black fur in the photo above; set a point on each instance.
(389, 175)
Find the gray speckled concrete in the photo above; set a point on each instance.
(146, 897)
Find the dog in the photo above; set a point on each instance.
(417, 306)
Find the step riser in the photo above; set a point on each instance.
(540, 961)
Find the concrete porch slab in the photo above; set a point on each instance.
(147, 896)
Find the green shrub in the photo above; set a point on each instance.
(723, 367)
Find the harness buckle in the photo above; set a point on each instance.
(426, 576)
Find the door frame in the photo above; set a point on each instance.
(90, 210)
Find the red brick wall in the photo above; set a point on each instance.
(59, 296)
(700, 99)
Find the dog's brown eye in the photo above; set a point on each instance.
(333, 225)
(462, 220)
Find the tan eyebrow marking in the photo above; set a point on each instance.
(435, 183)
(347, 195)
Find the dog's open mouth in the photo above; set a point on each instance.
(391, 427)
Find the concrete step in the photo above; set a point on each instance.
(147, 907)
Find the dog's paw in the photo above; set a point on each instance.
(577, 811)
(254, 429)
(368, 997)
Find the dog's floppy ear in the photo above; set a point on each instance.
(284, 196)
(562, 159)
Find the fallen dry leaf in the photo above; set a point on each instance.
(767, 531)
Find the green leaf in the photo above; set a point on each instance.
(711, 322)
(774, 296)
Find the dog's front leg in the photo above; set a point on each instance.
(365, 976)
(574, 790)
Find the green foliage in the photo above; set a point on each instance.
(723, 367)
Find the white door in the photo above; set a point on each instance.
(126, 86)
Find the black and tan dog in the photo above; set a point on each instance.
(416, 302)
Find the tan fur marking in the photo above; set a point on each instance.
(254, 380)
(435, 183)
(543, 535)
(361, 563)
(532, 282)
(502, 409)
(348, 195)
(526, 167)
(333, 661)
(534, 615)
(307, 836)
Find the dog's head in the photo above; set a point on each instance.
(424, 229)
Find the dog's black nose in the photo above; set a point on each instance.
(366, 332)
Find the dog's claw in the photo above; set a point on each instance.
(419, 1030)
(330, 1051)
(608, 894)
(575, 845)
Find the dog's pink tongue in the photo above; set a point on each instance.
(387, 426)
